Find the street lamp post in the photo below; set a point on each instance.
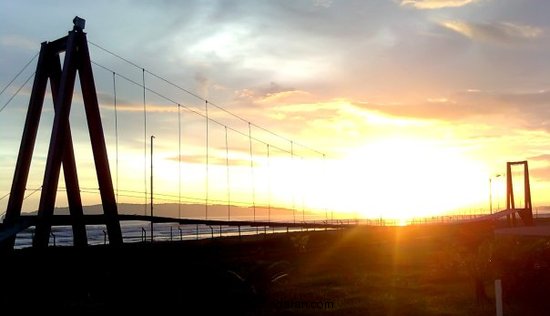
(152, 137)
(491, 192)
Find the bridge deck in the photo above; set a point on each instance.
(494, 216)
(60, 220)
(27, 221)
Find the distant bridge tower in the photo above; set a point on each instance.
(525, 213)
(61, 152)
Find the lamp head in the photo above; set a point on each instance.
(79, 23)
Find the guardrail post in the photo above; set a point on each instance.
(170, 233)
(104, 237)
(53, 236)
(498, 297)
(181, 235)
(143, 234)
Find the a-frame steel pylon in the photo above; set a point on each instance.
(525, 213)
(61, 152)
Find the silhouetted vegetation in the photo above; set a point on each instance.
(523, 264)
(418, 270)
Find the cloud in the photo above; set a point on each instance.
(139, 108)
(212, 160)
(543, 157)
(438, 100)
(274, 94)
(499, 32)
(19, 42)
(531, 109)
(436, 4)
(539, 167)
(202, 84)
(322, 3)
(125, 106)
(287, 97)
(540, 173)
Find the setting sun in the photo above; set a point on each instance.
(408, 177)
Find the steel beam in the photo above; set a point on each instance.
(80, 238)
(57, 143)
(97, 139)
(28, 140)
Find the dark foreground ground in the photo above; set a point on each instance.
(430, 270)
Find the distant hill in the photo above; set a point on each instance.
(198, 211)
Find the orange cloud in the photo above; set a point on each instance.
(129, 107)
(436, 4)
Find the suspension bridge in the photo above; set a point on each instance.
(212, 155)
(244, 164)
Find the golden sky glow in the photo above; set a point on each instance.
(416, 103)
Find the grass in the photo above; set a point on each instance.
(388, 271)
(424, 270)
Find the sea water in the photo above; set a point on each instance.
(140, 231)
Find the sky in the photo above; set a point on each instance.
(415, 104)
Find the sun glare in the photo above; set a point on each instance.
(407, 177)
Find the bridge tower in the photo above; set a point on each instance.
(61, 151)
(525, 213)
